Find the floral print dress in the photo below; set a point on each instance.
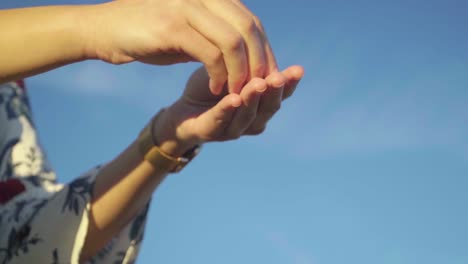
(41, 220)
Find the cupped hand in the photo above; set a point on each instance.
(199, 116)
(222, 34)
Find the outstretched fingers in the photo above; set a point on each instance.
(213, 122)
(293, 75)
(247, 112)
(269, 104)
(281, 85)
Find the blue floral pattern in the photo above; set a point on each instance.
(47, 221)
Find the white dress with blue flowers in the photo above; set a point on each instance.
(41, 220)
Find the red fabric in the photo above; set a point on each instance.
(9, 189)
(21, 84)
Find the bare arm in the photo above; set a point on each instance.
(38, 39)
(224, 35)
(124, 186)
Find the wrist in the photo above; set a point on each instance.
(165, 132)
(101, 30)
(87, 23)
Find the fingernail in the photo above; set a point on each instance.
(262, 88)
(214, 87)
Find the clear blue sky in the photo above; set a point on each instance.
(368, 163)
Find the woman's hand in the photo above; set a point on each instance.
(199, 116)
(222, 34)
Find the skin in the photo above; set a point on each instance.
(224, 35)
(197, 117)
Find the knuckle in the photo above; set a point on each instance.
(215, 57)
(249, 25)
(235, 42)
(258, 23)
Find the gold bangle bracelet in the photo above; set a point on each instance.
(158, 158)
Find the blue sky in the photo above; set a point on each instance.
(367, 163)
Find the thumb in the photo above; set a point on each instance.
(212, 123)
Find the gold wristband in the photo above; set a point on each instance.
(158, 158)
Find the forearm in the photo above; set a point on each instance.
(37, 39)
(124, 186)
(121, 190)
